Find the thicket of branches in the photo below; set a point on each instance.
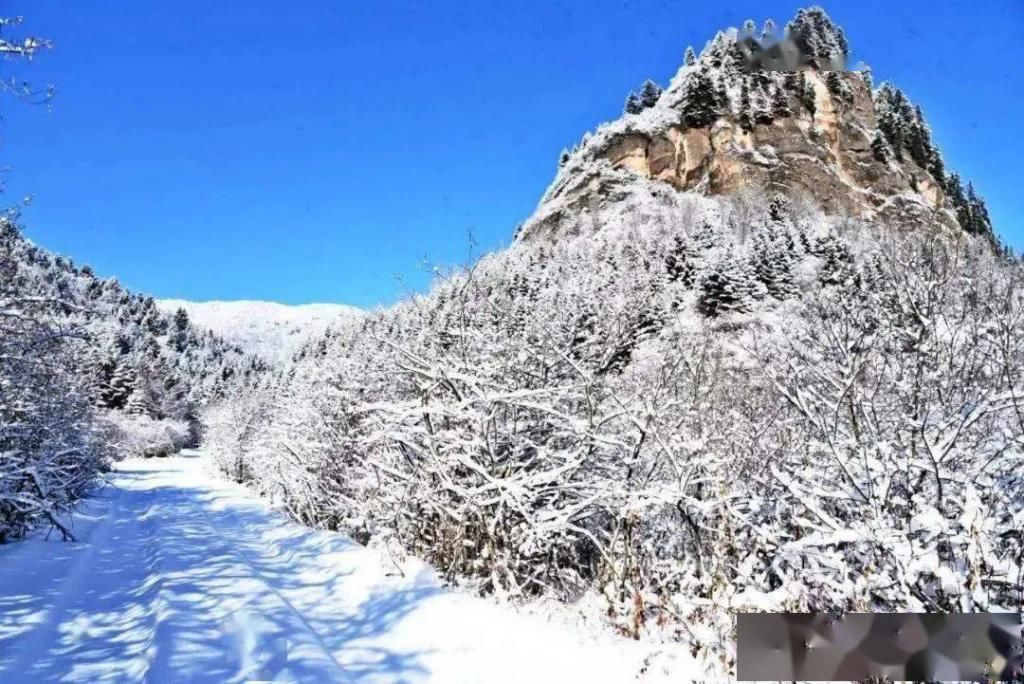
(89, 371)
(50, 446)
(743, 409)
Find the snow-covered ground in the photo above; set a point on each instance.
(270, 330)
(178, 576)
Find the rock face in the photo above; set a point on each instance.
(808, 135)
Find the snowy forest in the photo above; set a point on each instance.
(725, 408)
(90, 372)
(713, 404)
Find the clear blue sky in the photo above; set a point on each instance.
(315, 149)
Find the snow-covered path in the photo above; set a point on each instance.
(179, 577)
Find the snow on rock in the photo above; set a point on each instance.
(270, 330)
(709, 132)
(180, 577)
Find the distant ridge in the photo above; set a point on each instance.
(271, 330)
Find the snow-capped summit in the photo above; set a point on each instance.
(731, 120)
(271, 330)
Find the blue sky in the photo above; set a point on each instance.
(319, 150)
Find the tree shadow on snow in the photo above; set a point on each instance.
(176, 585)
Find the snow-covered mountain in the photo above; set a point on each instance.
(818, 135)
(270, 330)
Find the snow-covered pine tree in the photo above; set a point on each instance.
(121, 385)
(981, 223)
(894, 117)
(139, 404)
(806, 93)
(633, 105)
(179, 331)
(779, 210)
(772, 260)
(725, 287)
(680, 262)
(839, 90)
(690, 57)
(702, 106)
(836, 260)
(819, 38)
(649, 94)
(762, 109)
(879, 148)
(867, 76)
(746, 114)
(780, 103)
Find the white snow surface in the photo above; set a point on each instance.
(271, 330)
(178, 576)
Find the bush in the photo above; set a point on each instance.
(136, 436)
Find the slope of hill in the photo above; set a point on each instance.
(715, 373)
(719, 127)
(269, 330)
(90, 370)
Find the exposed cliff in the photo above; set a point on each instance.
(719, 127)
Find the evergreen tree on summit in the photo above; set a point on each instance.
(649, 94)
(819, 38)
(702, 104)
(632, 105)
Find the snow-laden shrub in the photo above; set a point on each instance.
(560, 418)
(139, 436)
(51, 448)
(229, 428)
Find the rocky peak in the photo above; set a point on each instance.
(731, 120)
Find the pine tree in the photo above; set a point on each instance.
(121, 385)
(749, 27)
(895, 118)
(726, 287)
(702, 104)
(139, 404)
(679, 263)
(632, 105)
(768, 32)
(762, 113)
(836, 260)
(807, 97)
(179, 334)
(958, 201)
(772, 261)
(649, 94)
(563, 158)
(690, 58)
(819, 38)
(779, 210)
(780, 104)
(936, 166)
(878, 148)
(868, 78)
(981, 223)
(837, 87)
(745, 118)
(705, 237)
